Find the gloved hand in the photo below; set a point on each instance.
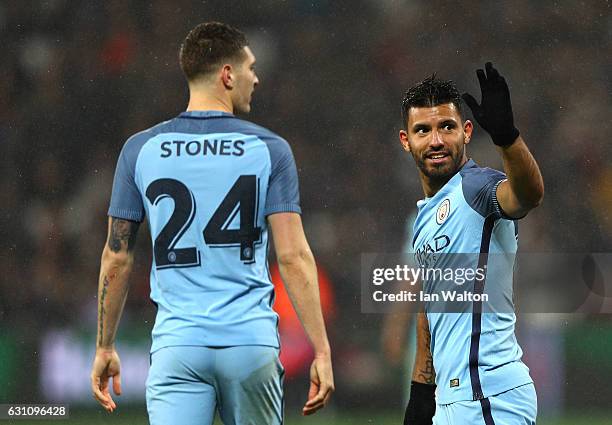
(494, 113)
(422, 405)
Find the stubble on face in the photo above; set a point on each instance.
(436, 137)
(246, 83)
(442, 171)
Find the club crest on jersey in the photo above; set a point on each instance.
(443, 211)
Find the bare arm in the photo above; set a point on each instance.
(299, 273)
(524, 188)
(115, 268)
(423, 371)
(421, 407)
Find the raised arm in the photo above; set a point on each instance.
(422, 405)
(524, 188)
(115, 268)
(299, 273)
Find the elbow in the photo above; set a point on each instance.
(532, 203)
(527, 206)
(538, 201)
(117, 260)
(292, 258)
(537, 197)
(533, 198)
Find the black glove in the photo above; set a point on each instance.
(422, 405)
(494, 113)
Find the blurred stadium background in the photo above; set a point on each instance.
(79, 77)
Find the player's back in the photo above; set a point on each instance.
(206, 182)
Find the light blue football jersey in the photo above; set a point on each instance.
(206, 181)
(475, 352)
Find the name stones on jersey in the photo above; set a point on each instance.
(443, 211)
(202, 148)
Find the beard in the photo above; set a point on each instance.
(441, 171)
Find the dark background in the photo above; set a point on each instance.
(78, 78)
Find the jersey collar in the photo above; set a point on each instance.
(469, 164)
(199, 115)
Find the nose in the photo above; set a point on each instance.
(436, 139)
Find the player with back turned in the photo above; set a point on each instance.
(468, 367)
(211, 185)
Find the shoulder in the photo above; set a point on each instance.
(134, 143)
(263, 133)
(277, 146)
(474, 178)
(479, 185)
(473, 173)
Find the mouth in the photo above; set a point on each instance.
(437, 157)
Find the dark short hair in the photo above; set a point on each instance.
(207, 46)
(431, 92)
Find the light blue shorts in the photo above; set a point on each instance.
(187, 384)
(517, 406)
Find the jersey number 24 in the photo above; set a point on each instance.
(242, 197)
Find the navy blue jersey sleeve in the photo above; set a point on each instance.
(126, 201)
(480, 190)
(283, 188)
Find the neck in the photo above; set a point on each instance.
(203, 99)
(431, 186)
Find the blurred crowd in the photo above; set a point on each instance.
(78, 78)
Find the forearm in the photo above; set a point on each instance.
(523, 174)
(299, 273)
(423, 371)
(112, 293)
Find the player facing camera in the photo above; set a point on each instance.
(468, 365)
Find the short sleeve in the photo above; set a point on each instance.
(480, 190)
(126, 201)
(283, 187)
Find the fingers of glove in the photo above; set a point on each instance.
(471, 102)
(482, 79)
(492, 73)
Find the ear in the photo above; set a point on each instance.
(468, 127)
(227, 76)
(403, 136)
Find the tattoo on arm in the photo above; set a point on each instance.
(102, 311)
(122, 234)
(427, 373)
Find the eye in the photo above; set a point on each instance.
(449, 126)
